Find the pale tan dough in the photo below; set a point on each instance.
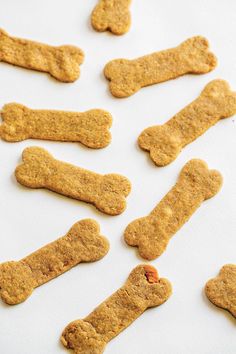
(91, 128)
(83, 243)
(190, 57)
(60, 62)
(166, 141)
(152, 233)
(221, 290)
(40, 170)
(112, 15)
(142, 290)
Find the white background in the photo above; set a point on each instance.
(187, 323)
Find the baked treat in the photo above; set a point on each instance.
(142, 290)
(41, 170)
(221, 291)
(112, 15)
(151, 234)
(90, 128)
(166, 141)
(190, 57)
(60, 62)
(83, 243)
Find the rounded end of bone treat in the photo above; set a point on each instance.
(219, 290)
(14, 127)
(65, 67)
(16, 282)
(220, 91)
(208, 182)
(114, 19)
(87, 233)
(122, 76)
(150, 287)
(164, 144)
(35, 167)
(114, 189)
(81, 337)
(196, 55)
(96, 124)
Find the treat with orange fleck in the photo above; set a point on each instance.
(92, 334)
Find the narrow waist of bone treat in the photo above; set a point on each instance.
(116, 313)
(51, 260)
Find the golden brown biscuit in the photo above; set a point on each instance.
(41, 170)
(142, 290)
(152, 233)
(83, 243)
(190, 57)
(91, 128)
(112, 15)
(221, 291)
(166, 141)
(60, 62)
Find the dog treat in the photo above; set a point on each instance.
(221, 291)
(166, 141)
(190, 57)
(91, 128)
(60, 62)
(83, 243)
(142, 290)
(41, 170)
(152, 233)
(112, 15)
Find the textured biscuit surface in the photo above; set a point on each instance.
(128, 76)
(41, 170)
(112, 15)
(165, 142)
(83, 243)
(60, 62)
(221, 291)
(91, 128)
(142, 290)
(152, 233)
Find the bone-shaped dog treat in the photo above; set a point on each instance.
(152, 233)
(83, 243)
(142, 290)
(221, 291)
(60, 62)
(112, 15)
(41, 170)
(91, 128)
(128, 76)
(166, 141)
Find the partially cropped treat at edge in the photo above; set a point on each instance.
(165, 142)
(142, 290)
(129, 76)
(112, 15)
(61, 62)
(83, 243)
(221, 290)
(90, 128)
(152, 233)
(41, 170)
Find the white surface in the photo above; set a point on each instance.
(187, 323)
